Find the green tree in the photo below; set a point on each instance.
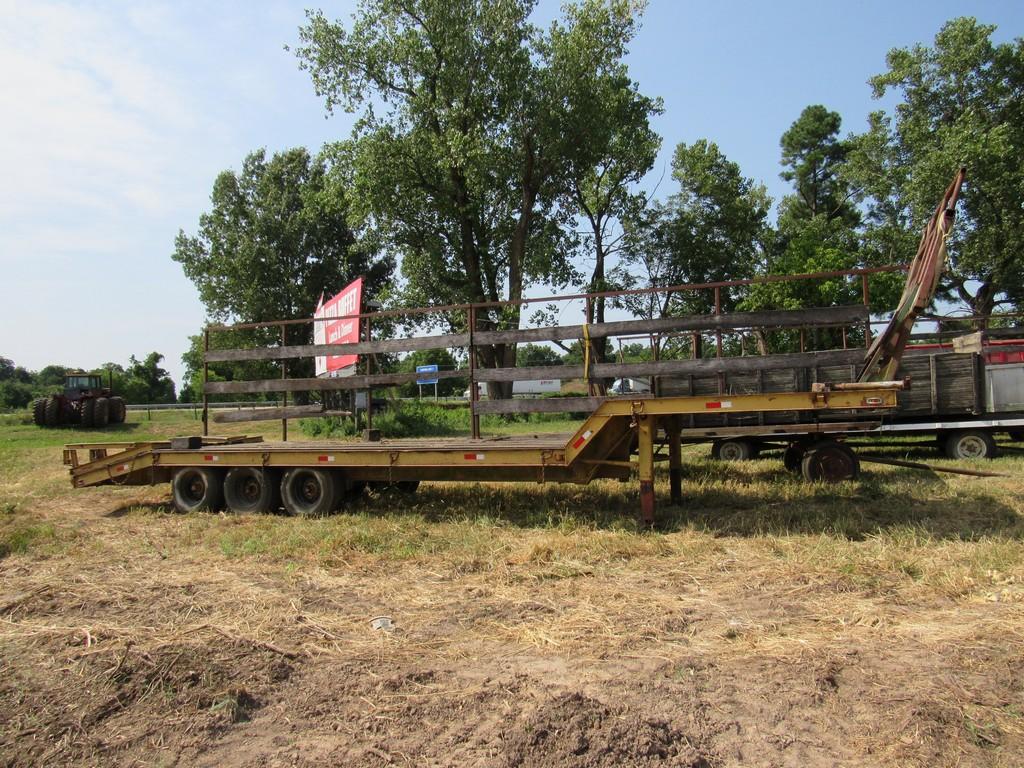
(529, 355)
(51, 377)
(146, 382)
(817, 229)
(469, 117)
(712, 229)
(615, 145)
(275, 239)
(961, 105)
(813, 156)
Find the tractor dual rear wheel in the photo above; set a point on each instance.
(118, 411)
(51, 413)
(86, 412)
(101, 412)
(39, 412)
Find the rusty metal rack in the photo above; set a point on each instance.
(314, 478)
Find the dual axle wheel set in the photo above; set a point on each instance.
(305, 491)
(831, 460)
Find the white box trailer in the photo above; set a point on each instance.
(524, 388)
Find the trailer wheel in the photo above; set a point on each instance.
(86, 412)
(39, 412)
(101, 412)
(733, 450)
(309, 492)
(51, 414)
(117, 410)
(794, 456)
(970, 444)
(197, 488)
(830, 462)
(251, 490)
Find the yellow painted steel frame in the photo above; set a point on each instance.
(601, 447)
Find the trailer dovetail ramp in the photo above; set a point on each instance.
(249, 474)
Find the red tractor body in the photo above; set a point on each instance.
(84, 401)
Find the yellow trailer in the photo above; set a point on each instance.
(249, 474)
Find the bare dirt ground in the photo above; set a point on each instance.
(133, 636)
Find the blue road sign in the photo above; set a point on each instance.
(426, 369)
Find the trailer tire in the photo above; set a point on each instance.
(734, 450)
(51, 414)
(86, 411)
(117, 410)
(197, 488)
(970, 444)
(309, 492)
(101, 412)
(251, 490)
(830, 462)
(794, 456)
(39, 412)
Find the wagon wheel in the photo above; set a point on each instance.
(830, 462)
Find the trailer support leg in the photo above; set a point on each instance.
(675, 462)
(646, 426)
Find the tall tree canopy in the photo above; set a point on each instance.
(276, 236)
(962, 103)
(812, 158)
(712, 229)
(470, 131)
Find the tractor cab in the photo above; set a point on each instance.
(78, 384)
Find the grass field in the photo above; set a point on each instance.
(767, 622)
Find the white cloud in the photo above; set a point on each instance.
(89, 119)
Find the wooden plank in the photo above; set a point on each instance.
(783, 318)
(701, 365)
(323, 385)
(933, 384)
(268, 414)
(355, 348)
(539, 405)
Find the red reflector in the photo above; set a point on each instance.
(713, 405)
(579, 441)
(208, 457)
(469, 456)
(321, 458)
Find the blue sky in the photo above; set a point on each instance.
(118, 116)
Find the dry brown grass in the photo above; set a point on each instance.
(769, 623)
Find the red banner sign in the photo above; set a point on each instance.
(344, 330)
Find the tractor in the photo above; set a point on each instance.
(84, 401)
